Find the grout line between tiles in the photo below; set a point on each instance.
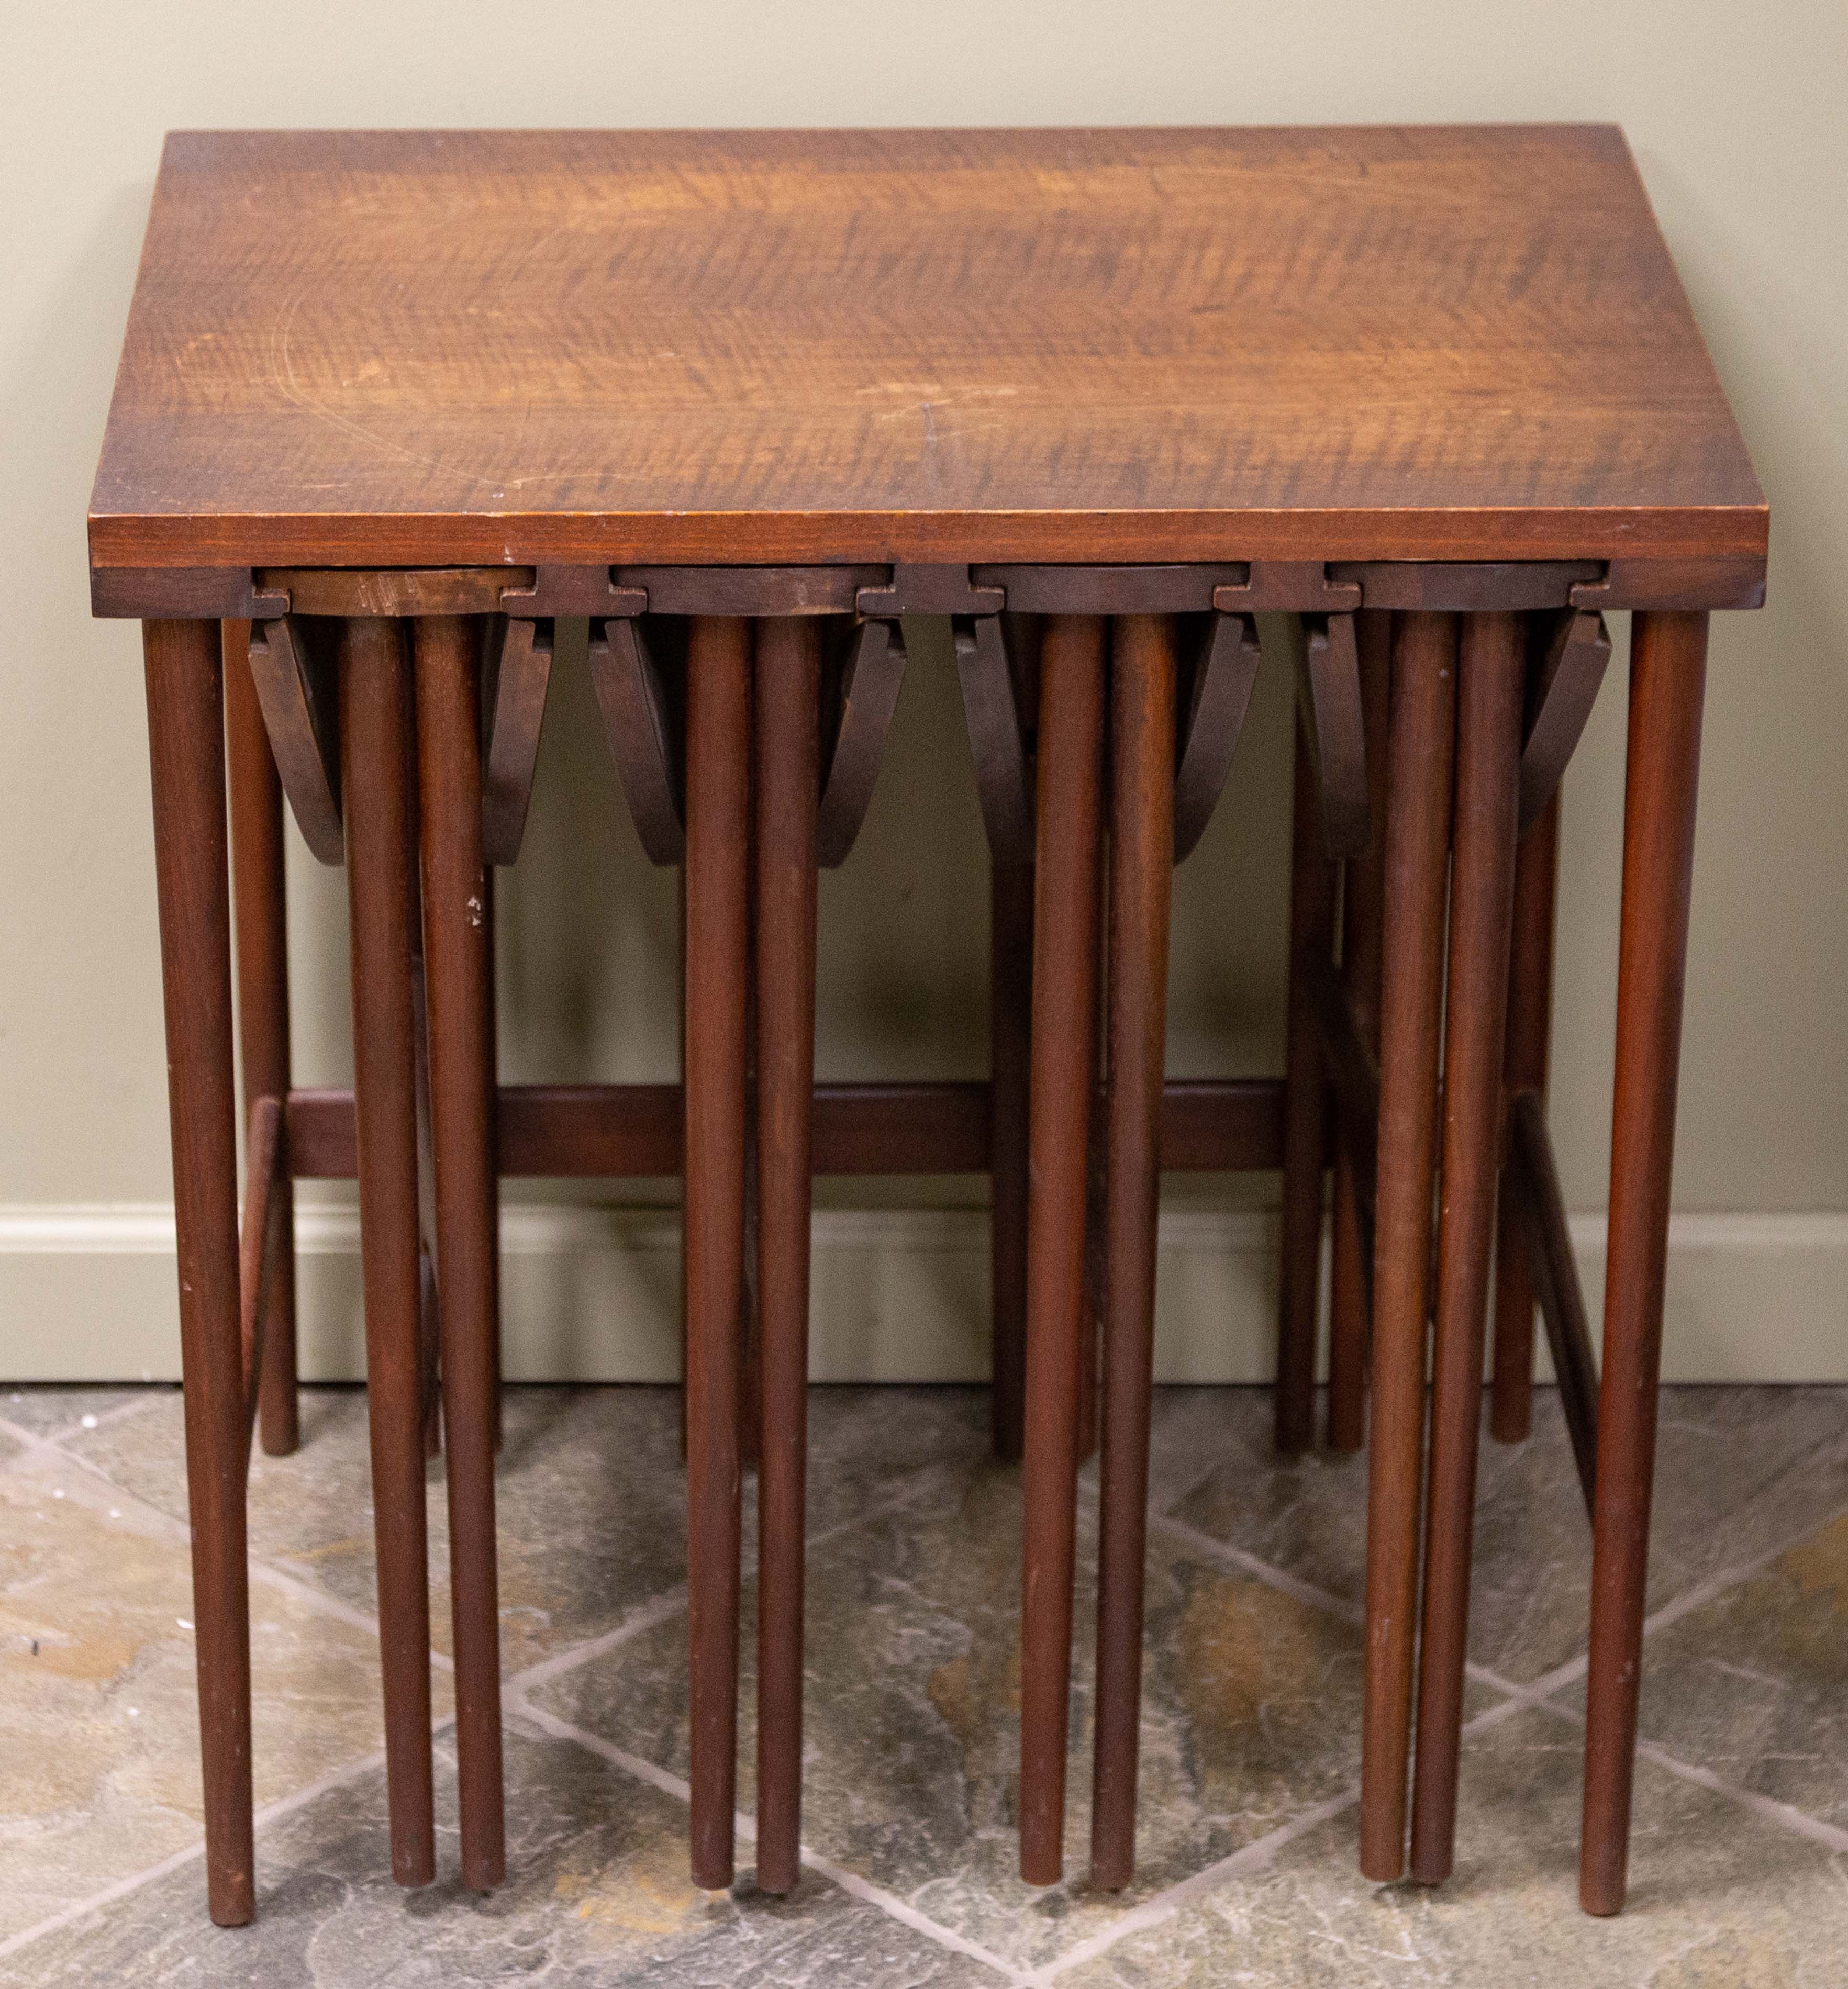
(271, 1812)
(1798, 1822)
(745, 1825)
(152, 1520)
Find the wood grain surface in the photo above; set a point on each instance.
(502, 348)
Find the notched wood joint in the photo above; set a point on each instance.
(921, 589)
(1303, 587)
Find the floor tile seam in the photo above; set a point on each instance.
(662, 1607)
(1786, 1816)
(154, 1521)
(851, 1882)
(144, 1399)
(1162, 1906)
(272, 1812)
(1260, 1570)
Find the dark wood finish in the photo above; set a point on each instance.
(1351, 1258)
(1531, 1182)
(787, 726)
(1305, 1113)
(1010, 1065)
(265, 1178)
(186, 748)
(260, 900)
(1064, 1028)
(403, 591)
(456, 966)
(639, 720)
(1547, 402)
(1566, 676)
(1109, 590)
(1329, 707)
(1353, 1068)
(718, 812)
(1454, 586)
(870, 678)
(522, 673)
(296, 690)
(1224, 675)
(1731, 580)
(1422, 737)
(1523, 1068)
(766, 591)
(1141, 863)
(491, 1076)
(997, 738)
(380, 809)
(614, 1132)
(1489, 677)
(1668, 667)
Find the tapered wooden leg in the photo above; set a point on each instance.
(718, 812)
(1141, 859)
(1490, 675)
(378, 806)
(456, 968)
(1417, 844)
(186, 746)
(1668, 671)
(1305, 1116)
(260, 901)
(1064, 1022)
(1523, 1068)
(1362, 887)
(788, 709)
(1010, 1039)
(491, 1063)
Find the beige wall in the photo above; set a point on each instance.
(1736, 115)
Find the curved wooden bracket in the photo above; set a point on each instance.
(999, 737)
(1568, 656)
(297, 692)
(1328, 702)
(518, 662)
(1218, 699)
(861, 694)
(642, 720)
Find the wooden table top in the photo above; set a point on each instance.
(406, 348)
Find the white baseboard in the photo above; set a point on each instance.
(591, 1293)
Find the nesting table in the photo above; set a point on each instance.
(739, 399)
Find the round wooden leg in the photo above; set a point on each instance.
(1142, 725)
(1668, 670)
(718, 817)
(1065, 992)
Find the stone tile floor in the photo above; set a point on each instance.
(1250, 1724)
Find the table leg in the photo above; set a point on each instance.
(1490, 685)
(1141, 858)
(1064, 1019)
(186, 748)
(1362, 887)
(788, 709)
(261, 905)
(1010, 1039)
(1523, 1068)
(718, 811)
(1421, 742)
(377, 804)
(456, 969)
(1305, 1115)
(1668, 671)
(490, 1052)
